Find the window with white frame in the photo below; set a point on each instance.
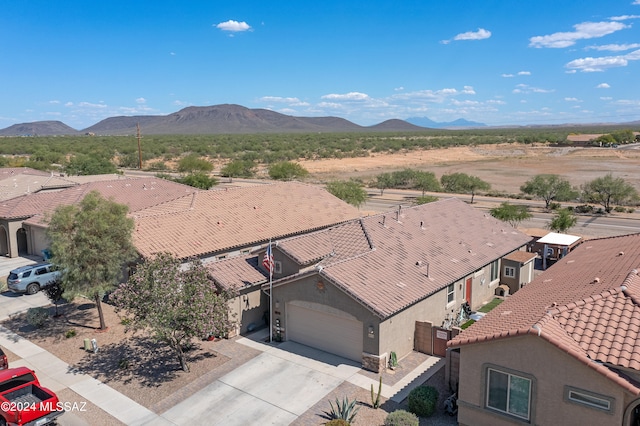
(495, 270)
(590, 399)
(451, 293)
(509, 271)
(509, 393)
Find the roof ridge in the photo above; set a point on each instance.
(140, 213)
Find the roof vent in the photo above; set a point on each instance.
(621, 253)
(596, 280)
(421, 224)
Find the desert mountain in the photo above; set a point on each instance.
(427, 122)
(39, 128)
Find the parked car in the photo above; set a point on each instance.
(31, 278)
(23, 401)
(4, 363)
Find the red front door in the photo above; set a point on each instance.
(467, 293)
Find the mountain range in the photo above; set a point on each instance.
(223, 119)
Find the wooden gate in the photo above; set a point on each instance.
(423, 337)
(440, 338)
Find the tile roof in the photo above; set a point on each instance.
(222, 220)
(521, 256)
(587, 304)
(17, 181)
(390, 261)
(136, 193)
(237, 272)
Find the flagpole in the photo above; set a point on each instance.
(270, 294)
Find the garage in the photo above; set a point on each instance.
(325, 328)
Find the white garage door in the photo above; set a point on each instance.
(325, 328)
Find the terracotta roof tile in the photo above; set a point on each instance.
(390, 261)
(595, 289)
(521, 256)
(222, 220)
(237, 272)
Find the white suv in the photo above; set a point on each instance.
(31, 278)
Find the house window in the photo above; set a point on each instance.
(590, 399)
(277, 267)
(451, 293)
(508, 393)
(509, 271)
(494, 270)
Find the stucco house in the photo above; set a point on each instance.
(358, 288)
(564, 349)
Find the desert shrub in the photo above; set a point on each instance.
(423, 400)
(631, 210)
(401, 418)
(554, 206)
(620, 209)
(70, 333)
(337, 422)
(583, 208)
(37, 317)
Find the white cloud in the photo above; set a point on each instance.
(507, 75)
(279, 99)
(590, 64)
(351, 96)
(141, 101)
(481, 34)
(614, 47)
(398, 89)
(54, 102)
(603, 86)
(233, 26)
(524, 73)
(624, 17)
(572, 100)
(181, 103)
(525, 89)
(636, 2)
(468, 90)
(68, 104)
(583, 31)
(605, 98)
(91, 105)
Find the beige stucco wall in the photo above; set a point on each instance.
(248, 307)
(37, 239)
(551, 369)
(11, 228)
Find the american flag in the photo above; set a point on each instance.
(267, 262)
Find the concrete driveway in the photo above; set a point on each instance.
(273, 388)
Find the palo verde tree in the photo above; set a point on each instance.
(174, 303)
(462, 183)
(549, 188)
(238, 168)
(90, 243)
(349, 191)
(563, 220)
(510, 213)
(608, 191)
(383, 181)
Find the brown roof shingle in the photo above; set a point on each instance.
(390, 261)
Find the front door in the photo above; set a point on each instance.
(467, 293)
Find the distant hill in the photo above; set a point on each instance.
(396, 126)
(427, 122)
(39, 128)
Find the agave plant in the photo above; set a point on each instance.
(345, 410)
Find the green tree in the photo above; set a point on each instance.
(192, 163)
(426, 181)
(607, 191)
(287, 170)
(174, 303)
(198, 180)
(549, 188)
(91, 243)
(462, 183)
(383, 181)
(563, 220)
(85, 165)
(349, 191)
(623, 136)
(425, 199)
(238, 168)
(510, 213)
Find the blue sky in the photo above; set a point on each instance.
(497, 62)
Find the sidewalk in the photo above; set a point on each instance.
(56, 375)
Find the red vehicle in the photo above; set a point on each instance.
(24, 402)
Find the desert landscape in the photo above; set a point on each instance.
(505, 166)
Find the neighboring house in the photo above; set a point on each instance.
(517, 271)
(565, 349)
(554, 246)
(357, 289)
